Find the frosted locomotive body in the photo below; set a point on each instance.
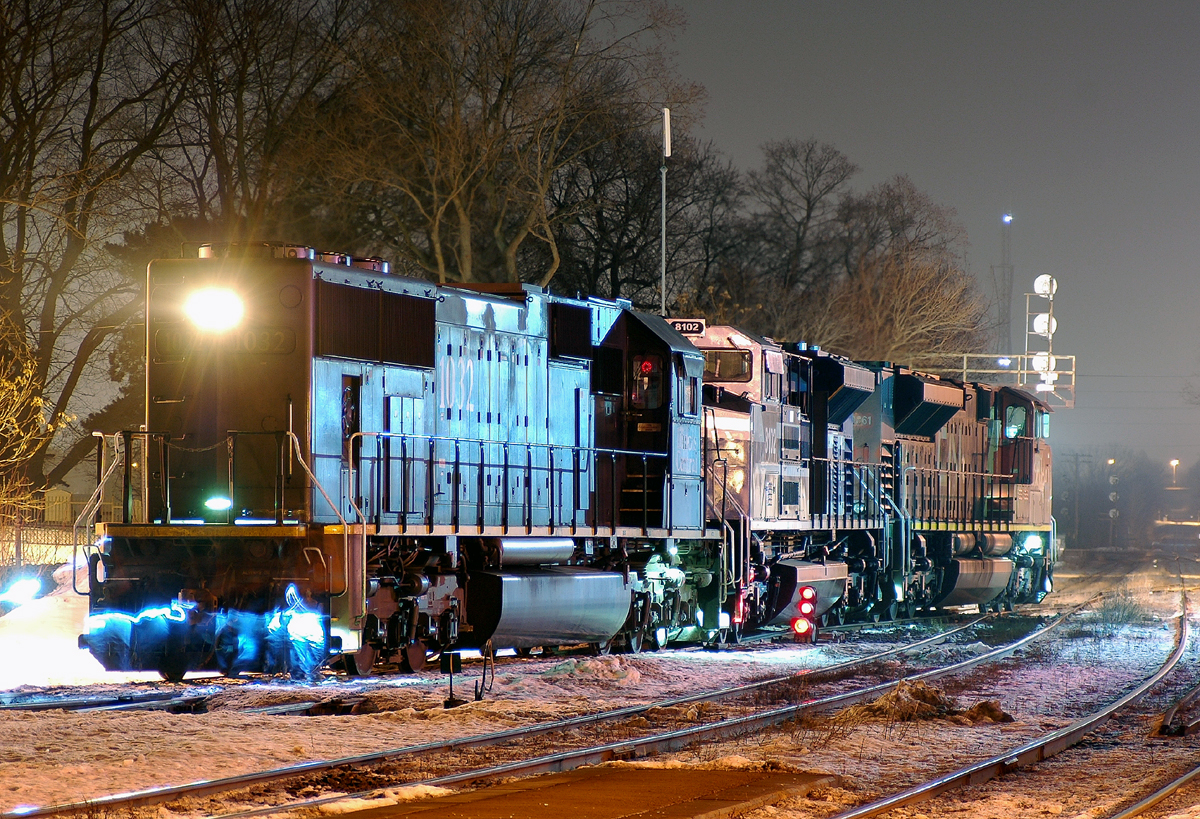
(342, 465)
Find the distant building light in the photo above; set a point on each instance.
(1007, 218)
(1004, 362)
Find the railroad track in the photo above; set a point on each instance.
(523, 762)
(1033, 751)
(208, 787)
(672, 740)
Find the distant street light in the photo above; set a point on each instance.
(1174, 464)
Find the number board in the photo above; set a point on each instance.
(688, 327)
(174, 342)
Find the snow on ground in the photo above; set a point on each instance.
(54, 757)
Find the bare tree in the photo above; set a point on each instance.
(87, 87)
(797, 192)
(909, 308)
(463, 113)
(893, 218)
(25, 421)
(261, 69)
(610, 243)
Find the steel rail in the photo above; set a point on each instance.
(1169, 715)
(680, 738)
(1037, 750)
(166, 793)
(90, 703)
(1159, 795)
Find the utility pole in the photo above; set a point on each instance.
(1075, 459)
(666, 152)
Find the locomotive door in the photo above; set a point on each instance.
(569, 436)
(648, 429)
(408, 458)
(648, 403)
(1015, 452)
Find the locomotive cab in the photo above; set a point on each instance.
(646, 383)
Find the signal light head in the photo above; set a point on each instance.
(215, 309)
(801, 627)
(808, 593)
(807, 608)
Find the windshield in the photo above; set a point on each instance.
(728, 365)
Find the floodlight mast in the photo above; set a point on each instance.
(1038, 326)
(1002, 283)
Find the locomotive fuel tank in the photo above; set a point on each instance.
(552, 605)
(971, 581)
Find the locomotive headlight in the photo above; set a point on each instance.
(215, 309)
(1034, 544)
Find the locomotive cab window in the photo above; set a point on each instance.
(728, 365)
(689, 403)
(647, 390)
(1014, 422)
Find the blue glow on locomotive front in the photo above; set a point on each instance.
(22, 591)
(290, 639)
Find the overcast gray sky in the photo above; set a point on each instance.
(1082, 119)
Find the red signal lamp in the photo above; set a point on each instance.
(807, 608)
(801, 626)
(808, 593)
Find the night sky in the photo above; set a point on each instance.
(1082, 119)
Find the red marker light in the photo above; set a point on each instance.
(808, 593)
(647, 367)
(800, 626)
(807, 608)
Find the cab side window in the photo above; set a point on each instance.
(689, 396)
(647, 392)
(1014, 422)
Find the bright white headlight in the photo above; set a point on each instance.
(215, 309)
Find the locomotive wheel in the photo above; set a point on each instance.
(173, 666)
(413, 657)
(361, 662)
(226, 653)
(836, 616)
(636, 639)
(726, 637)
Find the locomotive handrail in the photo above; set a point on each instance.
(975, 486)
(89, 509)
(580, 448)
(549, 448)
(345, 527)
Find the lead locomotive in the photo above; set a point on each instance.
(340, 465)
